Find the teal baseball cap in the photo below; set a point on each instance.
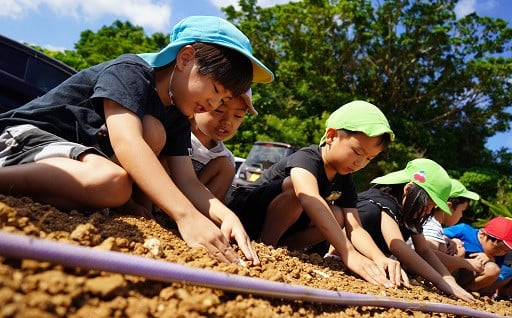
(428, 175)
(208, 29)
(359, 116)
(459, 190)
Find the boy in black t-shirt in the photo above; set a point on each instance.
(310, 196)
(123, 122)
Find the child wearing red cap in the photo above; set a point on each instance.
(489, 246)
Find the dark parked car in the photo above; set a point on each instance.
(26, 73)
(263, 154)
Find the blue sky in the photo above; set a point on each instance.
(56, 24)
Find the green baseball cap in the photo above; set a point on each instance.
(459, 190)
(208, 29)
(359, 116)
(428, 175)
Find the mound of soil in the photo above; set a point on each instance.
(30, 288)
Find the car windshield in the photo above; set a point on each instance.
(264, 156)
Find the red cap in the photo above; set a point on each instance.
(500, 228)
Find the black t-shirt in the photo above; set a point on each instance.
(74, 109)
(342, 190)
(370, 205)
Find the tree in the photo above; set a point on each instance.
(441, 81)
(110, 42)
(445, 84)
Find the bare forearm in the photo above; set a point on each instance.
(364, 243)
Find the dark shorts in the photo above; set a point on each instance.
(27, 143)
(250, 205)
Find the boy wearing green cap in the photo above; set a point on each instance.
(433, 227)
(124, 122)
(396, 208)
(310, 195)
(451, 251)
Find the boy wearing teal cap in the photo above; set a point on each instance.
(310, 196)
(396, 208)
(125, 122)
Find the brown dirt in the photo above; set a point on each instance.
(31, 288)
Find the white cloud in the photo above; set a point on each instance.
(146, 13)
(261, 3)
(465, 7)
(224, 3)
(17, 8)
(488, 4)
(55, 48)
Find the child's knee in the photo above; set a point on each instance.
(288, 192)
(154, 133)
(110, 185)
(221, 165)
(120, 188)
(338, 215)
(287, 187)
(491, 270)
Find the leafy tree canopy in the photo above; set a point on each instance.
(444, 83)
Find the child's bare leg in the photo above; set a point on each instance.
(90, 182)
(312, 235)
(217, 176)
(282, 212)
(154, 134)
(303, 239)
(485, 279)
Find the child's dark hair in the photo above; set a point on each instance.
(228, 67)
(384, 139)
(457, 201)
(413, 211)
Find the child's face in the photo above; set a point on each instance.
(196, 93)
(222, 123)
(492, 246)
(348, 153)
(450, 220)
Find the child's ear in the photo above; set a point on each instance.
(330, 134)
(407, 187)
(185, 56)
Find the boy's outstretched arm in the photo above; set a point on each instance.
(365, 244)
(421, 260)
(143, 166)
(183, 174)
(316, 207)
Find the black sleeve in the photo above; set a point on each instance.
(177, 127)
(370, 214)
(127, 83)
(347, 187)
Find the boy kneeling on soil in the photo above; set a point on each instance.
(310, 196)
